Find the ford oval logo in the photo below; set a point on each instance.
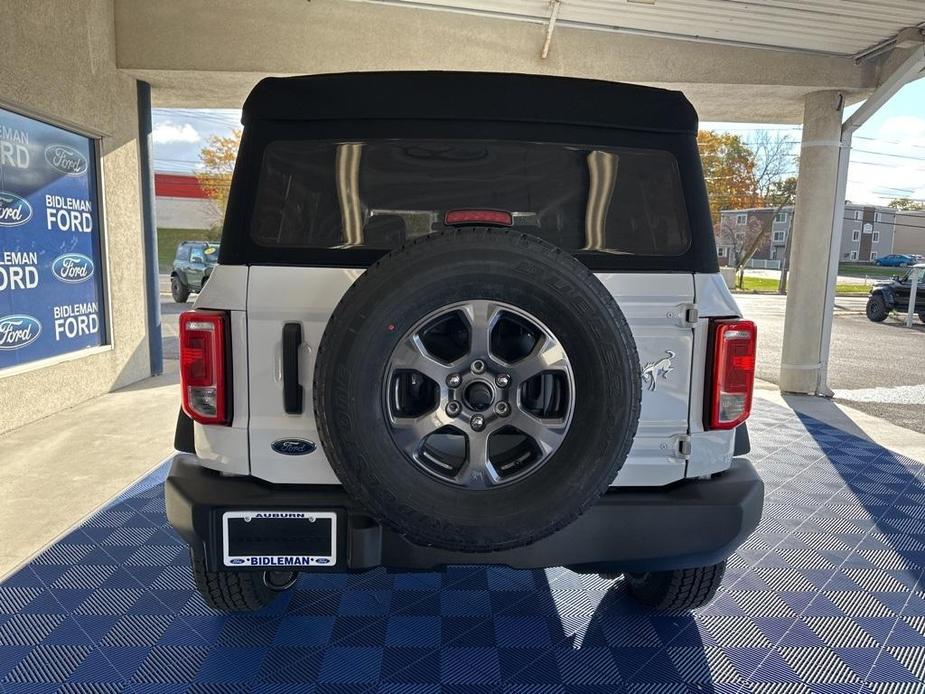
(293, 446)
(66, 159)
(236, 561)
(322, 560)
(18, 330)
(14, 210)
(72, 268)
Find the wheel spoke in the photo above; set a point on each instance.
(547, 433)
(412, 356)
(482, 316)
(409, 432)
(478, 472)
(547, 355)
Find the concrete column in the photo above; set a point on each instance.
(817, 226)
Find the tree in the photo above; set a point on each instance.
(742, 175)
(781, 193)
(218, 158)
(907, 204)
(738, 239)
(729, 169)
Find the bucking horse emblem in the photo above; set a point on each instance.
(655, 370)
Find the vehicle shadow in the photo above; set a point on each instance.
(890, 490)
(494, 629)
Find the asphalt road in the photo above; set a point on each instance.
(878, 368)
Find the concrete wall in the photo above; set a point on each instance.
(909, 234)
(185, 213)
(59, 64)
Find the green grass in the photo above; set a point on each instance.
(168, 239)
(769, 284)
(858, 270)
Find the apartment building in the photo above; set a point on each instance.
(867, 233)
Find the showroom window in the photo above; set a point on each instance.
(51, 284)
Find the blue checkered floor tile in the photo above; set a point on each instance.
(828, 596)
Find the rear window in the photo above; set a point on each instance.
(380, 194)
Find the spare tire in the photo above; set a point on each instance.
(477, 389)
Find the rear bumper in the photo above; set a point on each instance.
(693, 523)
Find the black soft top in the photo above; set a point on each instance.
(470, 96)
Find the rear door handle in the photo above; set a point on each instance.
(292, 389)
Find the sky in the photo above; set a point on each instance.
(887, 158)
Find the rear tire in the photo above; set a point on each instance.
(877, 310)
(922, 317)
(178, 290)
(236, 591)
(354, 401)
(682, 589)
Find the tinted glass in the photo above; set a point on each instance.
(379, 194)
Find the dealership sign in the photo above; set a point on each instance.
(51, 294)
(14, 210)
(72, 268)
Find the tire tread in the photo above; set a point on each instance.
(231, 591)
(678, 590)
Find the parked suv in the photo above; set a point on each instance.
(486, 326)
(894, 296)
(192, 267)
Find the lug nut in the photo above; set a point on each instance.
(453, 380)
(453, 408)
(502, 409)
(478, 366)
(477, 422)
(502, 380)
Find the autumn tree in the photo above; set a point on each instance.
(742, 175)
(907, 204)
(729, 170)
(217, 164)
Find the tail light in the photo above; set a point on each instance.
(733, 375)
(202, 366)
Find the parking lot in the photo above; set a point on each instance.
(878, 368)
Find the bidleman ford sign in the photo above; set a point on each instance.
(51, 294)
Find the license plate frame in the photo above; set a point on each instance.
(319, 555)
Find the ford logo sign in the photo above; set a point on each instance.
(293, 446)
(14, 210)
(72, 268)
(236, 561)
(17, 331)
(66, 159)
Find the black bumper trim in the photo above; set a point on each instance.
(689, 524)
(743, 444)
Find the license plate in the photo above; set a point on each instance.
(279, 538)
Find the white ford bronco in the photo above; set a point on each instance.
(464, 318)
